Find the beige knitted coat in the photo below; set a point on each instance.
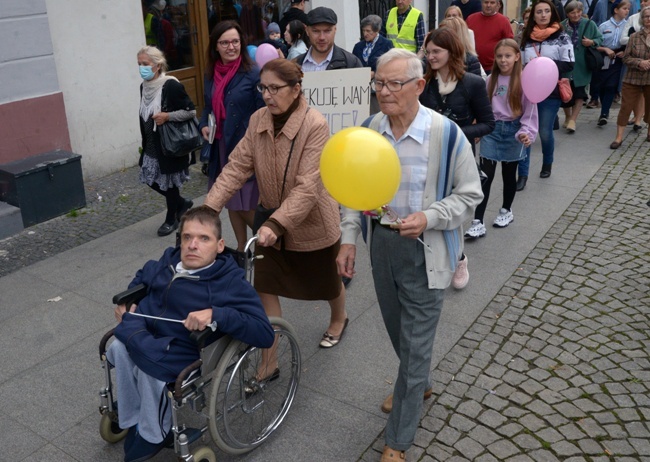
(309, 215)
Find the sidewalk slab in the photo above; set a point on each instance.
(50, 373)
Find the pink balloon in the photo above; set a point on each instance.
(265, 53)
(539, 79)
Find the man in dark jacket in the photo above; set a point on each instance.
(297, 11)
(323, 55)
(196, 285)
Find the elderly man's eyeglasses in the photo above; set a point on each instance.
(226, 43)
(392, 85)
(272, 89)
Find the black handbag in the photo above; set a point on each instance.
(594, 59)
(262, 214)
(178, 139)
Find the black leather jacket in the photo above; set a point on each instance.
(468, 105)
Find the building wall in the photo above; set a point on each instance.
(95, 45)
(32, 114)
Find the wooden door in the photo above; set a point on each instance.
(179, 38)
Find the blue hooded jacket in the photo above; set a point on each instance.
(163, 349)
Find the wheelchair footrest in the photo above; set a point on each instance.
(192, 434)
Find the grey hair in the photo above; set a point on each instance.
(373, 21)
(573, 5)
(413, 63)
(157, 57)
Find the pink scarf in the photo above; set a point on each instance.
(223, 74)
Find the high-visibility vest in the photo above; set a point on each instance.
(405, 37)
(150, 35)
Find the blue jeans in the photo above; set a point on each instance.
(547, 111)
(410, 311)
(142, 399)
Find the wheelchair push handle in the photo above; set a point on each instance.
(249, 243)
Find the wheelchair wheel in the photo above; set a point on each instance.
(245, 411)
(109, 430)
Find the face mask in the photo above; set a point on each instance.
(146, 72)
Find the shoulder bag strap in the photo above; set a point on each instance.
(286, 168)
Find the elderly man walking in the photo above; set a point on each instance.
(413, 259)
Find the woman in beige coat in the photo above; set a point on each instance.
(300, 240)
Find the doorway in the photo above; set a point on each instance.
(174, 26)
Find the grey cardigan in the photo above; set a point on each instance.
(462, 196)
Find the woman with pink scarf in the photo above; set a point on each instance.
(231, 97)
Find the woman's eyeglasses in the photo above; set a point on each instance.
(226, 43)
(435, 52)
(272, 89)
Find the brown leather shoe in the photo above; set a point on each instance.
(390, 455)
(387, 405)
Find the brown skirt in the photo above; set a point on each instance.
(308, 275)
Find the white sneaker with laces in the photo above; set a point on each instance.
(476, 230)
(504, 218)
(461, 275)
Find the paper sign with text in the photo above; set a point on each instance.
(342, 96)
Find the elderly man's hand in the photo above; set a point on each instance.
(413, 225)
(345, 260)
(198, 320)
(121, 309)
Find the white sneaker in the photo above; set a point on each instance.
(461, 276)
(504, 218)
(476, 230)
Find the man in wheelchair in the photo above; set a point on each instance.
(197, 284)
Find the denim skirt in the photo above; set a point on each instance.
(501, 145)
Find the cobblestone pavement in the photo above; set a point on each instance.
(113, 202)
(557, 367)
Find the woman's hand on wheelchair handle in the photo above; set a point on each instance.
(266, 236)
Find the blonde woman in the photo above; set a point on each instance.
(454, 12)
(459, 26)
(162, 99)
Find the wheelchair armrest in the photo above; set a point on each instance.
(104, 341)
(201, 337)
(133, 295)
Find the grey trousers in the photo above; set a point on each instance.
(411, 312)
(142, 399)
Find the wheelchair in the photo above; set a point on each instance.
(239, 411)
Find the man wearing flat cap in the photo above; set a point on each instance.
(296, 11)
(323, 55)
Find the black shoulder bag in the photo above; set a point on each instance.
(179, 139)
(594, 59)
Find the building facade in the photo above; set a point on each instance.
(69, 76)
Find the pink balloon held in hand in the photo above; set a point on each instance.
(539, 79)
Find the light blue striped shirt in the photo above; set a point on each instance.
(413, 152)
(309, 65)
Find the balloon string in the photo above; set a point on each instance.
(392, 216)
(530, 119)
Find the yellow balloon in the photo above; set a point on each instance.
(360, 168)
